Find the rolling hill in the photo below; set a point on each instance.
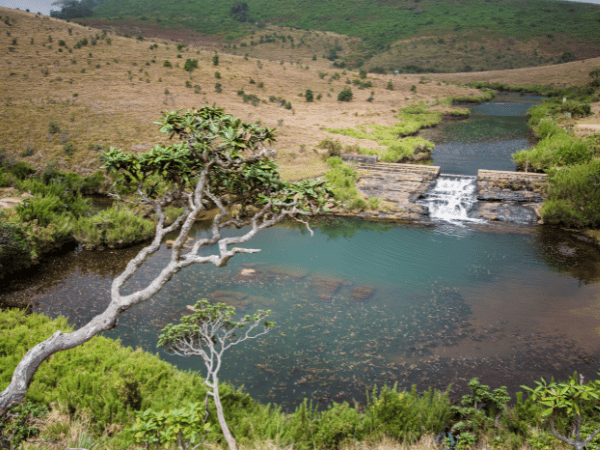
(409, 36)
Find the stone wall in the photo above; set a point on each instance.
(353, 157)
(496, 185)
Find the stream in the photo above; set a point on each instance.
(363, 303)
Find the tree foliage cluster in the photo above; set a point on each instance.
(152, 402)
(73, 9)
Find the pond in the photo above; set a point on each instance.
(361, 303)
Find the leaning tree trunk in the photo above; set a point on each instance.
(17, 389)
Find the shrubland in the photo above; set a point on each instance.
(571, 162)
(111, 396)
(55, 213)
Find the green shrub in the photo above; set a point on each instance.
(548, 128)
(14, 247)
(93, 184)
(342, 181)
(167, 63)
(557, 150)
(309, 96)
(6, 179)
(479, 411)
(190, 65)
(338, 424)
(21, 423)
(69, 148)
(43, 209)
(114, 227)
(345, 95)
(406, 416)
(333, 147)
(53, 128)
(22, 170)
(574, 196)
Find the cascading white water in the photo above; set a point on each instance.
(452, 198)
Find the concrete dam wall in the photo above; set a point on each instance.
(495, 195)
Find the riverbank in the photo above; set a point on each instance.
(65, 407)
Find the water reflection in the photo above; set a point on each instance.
(425, 306)
(570, 253)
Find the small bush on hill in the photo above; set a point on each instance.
(345, 95)
(190, 65)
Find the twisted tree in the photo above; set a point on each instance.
(221, 162)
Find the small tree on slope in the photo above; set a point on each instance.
(221, 162)
(208, 332)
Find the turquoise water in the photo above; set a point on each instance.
(356, 306)
(361, 303)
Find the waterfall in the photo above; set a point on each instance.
(451, 198)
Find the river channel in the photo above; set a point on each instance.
(361, 303)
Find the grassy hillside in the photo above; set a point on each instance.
(405, 35)
(64, 102)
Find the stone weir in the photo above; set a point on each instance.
(501, 195)
(510, 196)
(400, 184)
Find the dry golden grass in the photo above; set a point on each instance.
(113, 96)
(109, 95)
(558, 75)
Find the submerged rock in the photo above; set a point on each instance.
(231, 298)
(327, 284)
(362, 293)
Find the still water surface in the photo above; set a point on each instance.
(360, 304)
(494, 131)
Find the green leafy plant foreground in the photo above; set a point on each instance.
(151, 402)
